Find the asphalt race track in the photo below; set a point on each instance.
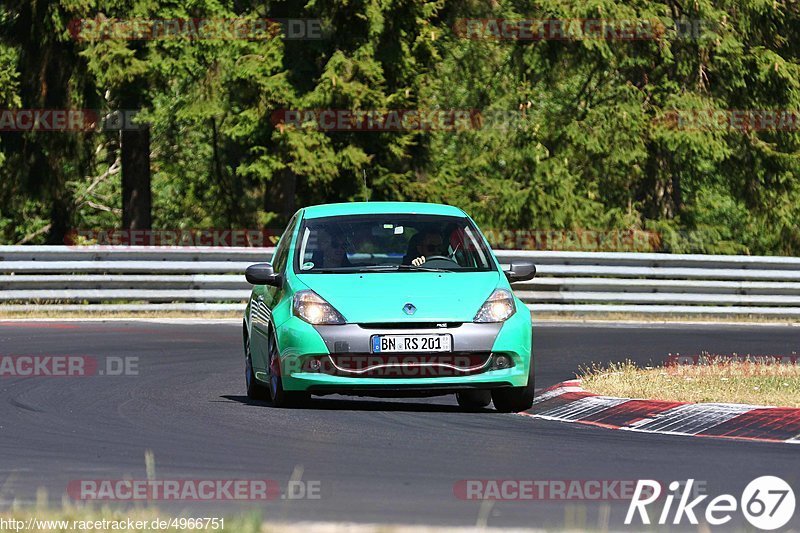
(375, 460)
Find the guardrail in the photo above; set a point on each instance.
(66, 278)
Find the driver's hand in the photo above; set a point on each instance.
(418, 261)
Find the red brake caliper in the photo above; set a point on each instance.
(275, 365)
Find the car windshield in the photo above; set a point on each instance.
(390, 243)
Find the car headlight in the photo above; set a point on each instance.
(311, 307)
(497, 307)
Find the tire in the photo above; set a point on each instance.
(515, 399)
(255, 390)
(474, 400)
(277, 395)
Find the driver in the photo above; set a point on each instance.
(429, 244)
(331, 252)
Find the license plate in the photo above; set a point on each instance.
(411, 343)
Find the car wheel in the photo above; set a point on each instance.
(515, 399)
(473, 400)
(278, 396)
(255, 390)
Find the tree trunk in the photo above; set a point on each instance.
(280, 194)
(136, 193)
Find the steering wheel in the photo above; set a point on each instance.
(434, 257)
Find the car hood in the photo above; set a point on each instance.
(380, 297)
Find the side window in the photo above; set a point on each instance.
(282, 251)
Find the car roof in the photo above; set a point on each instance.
(379, 208)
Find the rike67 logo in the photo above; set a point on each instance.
(767, 502)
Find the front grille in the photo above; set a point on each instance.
(405, 365)
(409, 325)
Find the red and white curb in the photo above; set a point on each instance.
(568, 402)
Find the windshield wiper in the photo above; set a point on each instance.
(373, 268)
(347, 270)
(352, 270)
(422, 268)
(378, 268)
(395, 268)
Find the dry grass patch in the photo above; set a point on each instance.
(744, 382)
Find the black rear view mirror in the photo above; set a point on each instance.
(262, 274)
(520, 271)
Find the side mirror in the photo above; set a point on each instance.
(520, 271)
(262, 274)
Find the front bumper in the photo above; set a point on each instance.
(301, 342)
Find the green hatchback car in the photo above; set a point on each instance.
(387, 299)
